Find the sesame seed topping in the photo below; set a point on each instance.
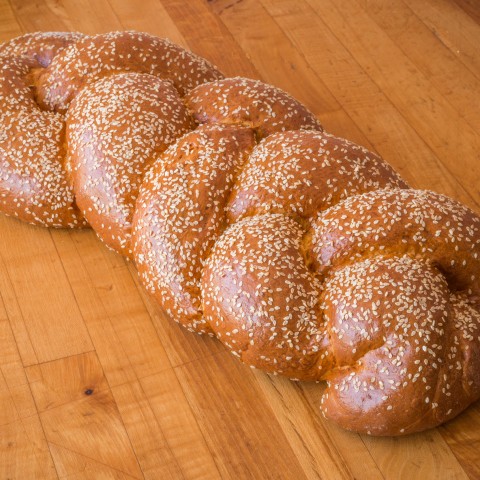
(305, 254)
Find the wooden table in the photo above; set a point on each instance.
(96, 382)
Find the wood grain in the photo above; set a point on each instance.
(97, 382)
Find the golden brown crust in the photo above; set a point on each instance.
(392, 332)
(402, 294)
(394, 222)
(180, 213)
(380, 297)
(251, 103)
(41, 73)
(305, 254)
(299, 173)
(93, 58)
(33, 183)
(262, 301)
(116, 127)
(39, 46)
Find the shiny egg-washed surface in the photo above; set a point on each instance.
(305, 254)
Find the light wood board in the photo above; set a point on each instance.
(96, 382)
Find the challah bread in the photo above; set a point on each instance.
(92, 58)
(300, 173)
(251, 103)
(211, 177)
(39, 46)
(181, 212)
(305, 254)
(34, 183)
(115, 128)
(403, 290)
(395, 332)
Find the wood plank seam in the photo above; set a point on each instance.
(330, 444)
(315, 414)
(458, 108)
(438, 34)
(7, 275)
(102, 368)
(171, 450)
(457, 182)
(37, 414)
(70, 287)
(282, 394)
(107, 316)
(94, 460)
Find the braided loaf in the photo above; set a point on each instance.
(305, 254)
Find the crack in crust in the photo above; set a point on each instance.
(305, 254)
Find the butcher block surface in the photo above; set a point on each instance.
(97, 382)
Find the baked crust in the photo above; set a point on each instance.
(304, 254)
